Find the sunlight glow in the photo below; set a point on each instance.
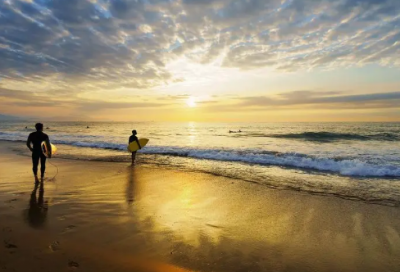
(191, 102)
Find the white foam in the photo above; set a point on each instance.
(347, 167)
(354, 167)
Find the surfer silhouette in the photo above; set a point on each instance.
(34, 142)
(133, 138)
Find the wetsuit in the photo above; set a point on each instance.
(36, 138)
(133, 138)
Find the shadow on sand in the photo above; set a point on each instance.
(36, 214)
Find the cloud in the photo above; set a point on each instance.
(175, 97)
(89, 106)
(314, 97)
(312, 100)
(39, 100)
(91, 44)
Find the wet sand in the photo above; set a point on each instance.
(99, 216)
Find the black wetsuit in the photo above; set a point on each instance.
(36, 138)
(134, 138)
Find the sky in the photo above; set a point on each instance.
(201, 60)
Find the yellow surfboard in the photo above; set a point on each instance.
(132, 147)
(45, 150)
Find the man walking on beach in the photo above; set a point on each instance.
(132, 139)
(36, 138)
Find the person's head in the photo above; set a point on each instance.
(134, 132)
(39, 127)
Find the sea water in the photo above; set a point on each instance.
(352, 160)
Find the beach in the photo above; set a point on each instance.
(108, 216)
(200, 136)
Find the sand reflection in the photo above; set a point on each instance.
(36, 215)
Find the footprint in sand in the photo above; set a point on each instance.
(11, 200)
(69, 228)
(73, 264)
(214, 226)
(55, 246)
(9, 245)
(7, 229)
(19, 194)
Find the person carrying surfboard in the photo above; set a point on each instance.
(133, 138)
(34, 142)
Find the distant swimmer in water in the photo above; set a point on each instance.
(47, 128)
(26, 127)
(34, 142)
(240, 131)
(87, 127)
(131, 139)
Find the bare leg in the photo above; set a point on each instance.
(133, 157)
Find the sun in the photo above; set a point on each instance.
(191, 102)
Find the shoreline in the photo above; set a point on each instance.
(372, 190)
(104, 216)
(292, 160)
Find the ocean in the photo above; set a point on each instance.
(359, 161)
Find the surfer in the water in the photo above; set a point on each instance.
(131, 139)
(35, 139)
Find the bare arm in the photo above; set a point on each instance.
(28, 144)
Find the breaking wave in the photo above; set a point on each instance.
(327, 136)
(347, 167)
